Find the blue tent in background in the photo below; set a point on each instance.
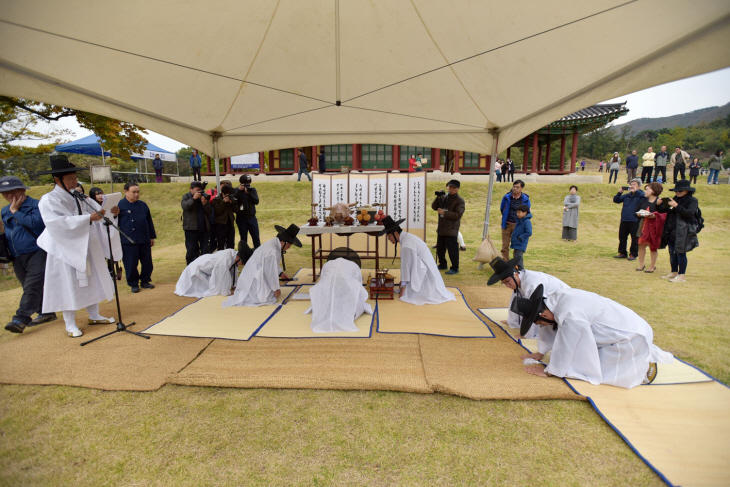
(91, 146)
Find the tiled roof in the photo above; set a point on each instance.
(595, 111)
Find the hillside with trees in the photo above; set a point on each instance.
(681, 120)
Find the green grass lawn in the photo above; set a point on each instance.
(208, 436)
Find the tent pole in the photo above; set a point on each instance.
(145, 170)
(216, 136)
(485, 230)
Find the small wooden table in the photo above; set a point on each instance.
(384, 291)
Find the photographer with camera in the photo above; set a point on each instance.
(450, 208)
(224, 210)
(196, 221)
(246, 220)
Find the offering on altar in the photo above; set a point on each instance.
(328, 221)
(313, 221)
(379, 215)
(340, 211)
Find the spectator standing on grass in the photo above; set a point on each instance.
(510, 170)
(246, 220)
(694, 170)
(632, 164)
(498, 170)
(158, 166)
(600, 166)
(321, 164)
(508, 208)
(629, 221)
(647, 167)
(660, 160)
(303, 165)
(714, 164)
(195, 164)
(135, 221)
(650, 227)
(613, 167)
(570, 215)
(680, 230)
(224, 211)
(196, 222)
(679, 159)
(23, 224)
(583, 165)
(521, 235)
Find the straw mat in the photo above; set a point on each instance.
(44, 355)
(304, 275)
(453, 318)
(384, 362)
(206, 319)
(291, 322)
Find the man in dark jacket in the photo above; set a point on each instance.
(303, 163)
(158, 166)
(196, 222)
(632, 164)
(246, 220)
(195, 164)
(135, 221)
(508, 207)
(450, 208)
(629, 221)
(224, 211)
(23, 225)
(321, 165)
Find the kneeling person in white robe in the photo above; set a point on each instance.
(208, 275)
(338, 298)
(524, 283)
(74, 239)
(597, 340)
(420, 279)
(258, 284)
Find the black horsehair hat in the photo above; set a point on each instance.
(529, 308)
(288, 235)
(60, 165)
(391, 226)
(502, 269)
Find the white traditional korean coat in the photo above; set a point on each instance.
(600, 341)
(529, 280)
(419, 273)
(259, 278)
(76, 272)
(208, 275)
(338, 298)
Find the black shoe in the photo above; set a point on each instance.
(631, 257)
(15, 327)
(43, 318)
(135, 289)
(463, 249)
(443, 268)
(147, 285)
(619, 256)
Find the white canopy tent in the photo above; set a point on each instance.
(241, 76)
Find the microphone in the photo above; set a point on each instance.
(78, 194)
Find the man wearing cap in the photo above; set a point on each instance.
(23, 224)
(76, 271)
(420, 280)
(258, 284)
(508, 208)
(524, 283)
(196, 222)
(629, 225)
(596, 339)
(450, 209)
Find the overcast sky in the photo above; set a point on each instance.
(707, 90)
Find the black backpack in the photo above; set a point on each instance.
(698, 222)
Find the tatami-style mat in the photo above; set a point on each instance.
(453, 318)
(206, 319)
(304, 275)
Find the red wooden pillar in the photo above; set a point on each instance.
(574, 152)
(207, 159)
(457, 155)
(229, 170)
(489, 164)
(435, 158)
(534, 152)
(509, 152)
(547, 155)
(539, 157)
(357, 157)
(562, 153)
(396, 157)
(296, 159)
(261, 161)
(526, 154)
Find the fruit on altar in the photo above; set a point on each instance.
(313, 221)
(381, 213)
(365, 217)
(359, 217)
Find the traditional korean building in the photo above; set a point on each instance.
(536, 147)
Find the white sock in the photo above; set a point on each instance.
(93, 310)
(70, 318)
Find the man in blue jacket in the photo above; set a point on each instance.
(23, 225)
(632, 164)
(508, 207)
(136, 222)
(629, 221)
(195, 164)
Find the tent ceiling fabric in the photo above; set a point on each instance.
(267, 74)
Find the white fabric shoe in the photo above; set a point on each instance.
(679, 278)
(73, 331)
(670, 276)
(102, 321)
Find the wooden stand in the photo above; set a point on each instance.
(380, 289)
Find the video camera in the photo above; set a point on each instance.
(201, 190)
(440, 194)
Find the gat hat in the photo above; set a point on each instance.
(244, 252)
(9, 183)
(529, 308)
(455, 183)
(502, 269)
(391, 226)
(60, 164)
(288, 235)
(682, 185)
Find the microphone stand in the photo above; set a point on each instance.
(121, 327)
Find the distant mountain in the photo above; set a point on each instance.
(683, 120)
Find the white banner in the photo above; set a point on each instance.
(398, 196)
(340, 188)
(377, 189)
(358, 189)
(321, 194)
(151, 155)
(417, 203)
(245, 161)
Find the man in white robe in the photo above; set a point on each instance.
(74, 239)
(524, 283)
(338, 298)
(258, 284)
(597, 340)
(420, 279)
(208, 275)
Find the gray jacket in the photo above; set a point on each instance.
(190, 213)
